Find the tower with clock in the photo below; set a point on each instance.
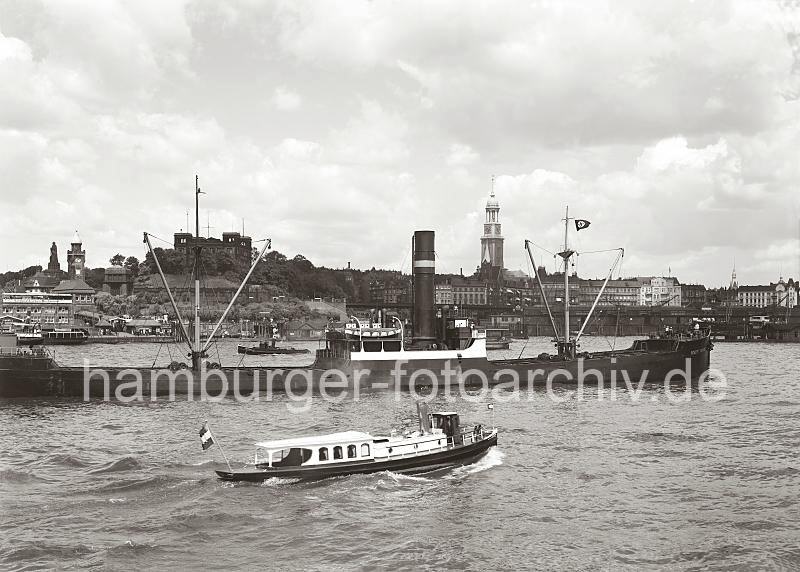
(492, 239)
(76, 258)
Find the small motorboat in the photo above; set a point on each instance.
(440, 443)
(269, 348)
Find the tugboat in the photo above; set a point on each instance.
(269, 348)
(440, 443)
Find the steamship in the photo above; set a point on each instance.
(377, 355)
(459, 348)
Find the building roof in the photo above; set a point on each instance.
(42, 279)
(143, 323)
(75, 286)
(313, 323)
(117, 270)
(759, 288)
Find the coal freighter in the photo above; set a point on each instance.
(458, 349)
(372, 355)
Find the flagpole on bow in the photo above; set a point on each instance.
(218, 444)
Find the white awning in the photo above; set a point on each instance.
(343, 438)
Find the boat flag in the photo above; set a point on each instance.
(580, 224)
(490, 406)
(206, 439)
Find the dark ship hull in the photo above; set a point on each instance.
(648, 360)
(34, 373)
(269, 350)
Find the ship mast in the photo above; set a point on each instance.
(196, 348)
(567, 348)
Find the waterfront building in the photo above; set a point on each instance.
(76, 258)
(758, 296)
(693, 295)
(391, 291)
(469, 291)
(783, 294)
(310, 329)
(786, 293)
(621, 292)
(443, 293)
(237, 246)
(42, 308)
(659, 291)
(40, 282)
(81, 293)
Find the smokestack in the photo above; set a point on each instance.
(424, 271)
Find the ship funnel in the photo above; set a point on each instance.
(423, 272)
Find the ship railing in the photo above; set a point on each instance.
(23, 352)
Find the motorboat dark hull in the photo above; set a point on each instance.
(259, 351)
(453, 457)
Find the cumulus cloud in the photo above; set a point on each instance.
(338, 129)
(285, 100)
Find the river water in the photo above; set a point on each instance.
(580, 480)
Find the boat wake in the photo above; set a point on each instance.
(400, 477)
(493, 458)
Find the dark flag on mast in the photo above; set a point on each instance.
(580, 224)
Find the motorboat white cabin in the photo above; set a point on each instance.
(439, 443)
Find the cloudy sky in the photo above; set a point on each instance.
(338, 128)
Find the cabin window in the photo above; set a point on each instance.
(351, 451)
(337, 452)
(290, 457)
(365, 450)
(323, 454)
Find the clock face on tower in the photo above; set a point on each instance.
(487, 229)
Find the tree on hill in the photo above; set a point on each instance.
(117, 260)
(132, 264)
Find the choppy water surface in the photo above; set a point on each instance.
(578, 484)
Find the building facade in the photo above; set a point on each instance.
(693, 295)
(118, 281)
(80, 292)
(443, 293)
(238, 247)
(42, 308)
(469, 292)
(783, 294)
(659, 291)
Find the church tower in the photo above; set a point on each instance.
(492, 239)
(76, 258)
(734, 285)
